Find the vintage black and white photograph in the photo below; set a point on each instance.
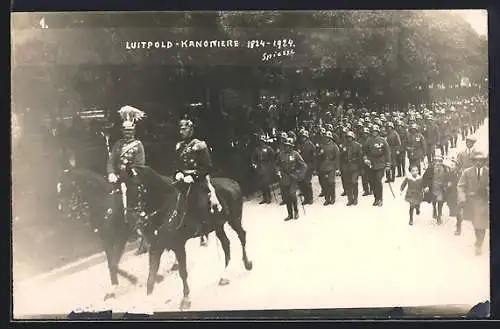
(249, 160)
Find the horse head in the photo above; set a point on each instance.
(84, 195)
(158, 194)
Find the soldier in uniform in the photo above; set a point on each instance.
(445, 136)
(394, 142)
(377, 157)
(351, 160)
(127, 152)
(433, 138)
(194, 166)
(366, 170)
(308, 153)
(416, 147)
(291, 170)
(401, 157)
(263, 160)
(281, 145)
(328, 162)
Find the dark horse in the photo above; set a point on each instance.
(86, 195)
(172, 221)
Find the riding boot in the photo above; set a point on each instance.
(143, 248)
(290, 211)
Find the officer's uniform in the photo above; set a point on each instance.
(378, 154)
(291, 170)
(263, 160)
(351, 160)
(416, 148)
(308, 153)
(328, 162)
(193, 159)
(394, 142)
(126, 153)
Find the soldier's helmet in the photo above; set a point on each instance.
(351, 134)
(479, 155)
(284, 135)
(390, 124)
(288, 141)
(414, 126)
(263, 138)
(322, 130)
(304, 133)
(375, 128)
(329, 127)
(329, 134)
(471, 138)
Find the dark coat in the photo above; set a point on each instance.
(351, 157)
(394, 142)
(377, 151)
(263, 159)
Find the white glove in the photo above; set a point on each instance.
(179, 176)
(215, 203)
(112, 178)
(188, 179)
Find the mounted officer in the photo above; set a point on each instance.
(194, 165)
(126, 153)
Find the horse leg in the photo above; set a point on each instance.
(224, 241)
(113, 272)
(120, 248)
(180, 254)
(155, 253)
(242, 235)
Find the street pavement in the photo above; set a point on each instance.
(332, 257)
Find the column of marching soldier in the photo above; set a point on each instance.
(362, 144)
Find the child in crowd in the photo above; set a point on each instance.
(414, 193)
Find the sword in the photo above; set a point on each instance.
(302, 202)
(390, 188)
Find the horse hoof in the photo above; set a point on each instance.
(223, 282)
(159, 278)
(175, 267)
(248, 265)
(109, 295)
(185, 304)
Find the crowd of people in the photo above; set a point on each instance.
(373, 145)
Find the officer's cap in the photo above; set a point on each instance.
(350, 134)
(288, 141)
(185, 123)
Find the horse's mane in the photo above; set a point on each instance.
(152, 177)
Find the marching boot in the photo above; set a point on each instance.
(365, 193)
(290, 212)
(458, 230)
(439, 220)
(411, 217)
(327, 201)
(263, 202)
(434, 211)
(295, 210)
(343, 194)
